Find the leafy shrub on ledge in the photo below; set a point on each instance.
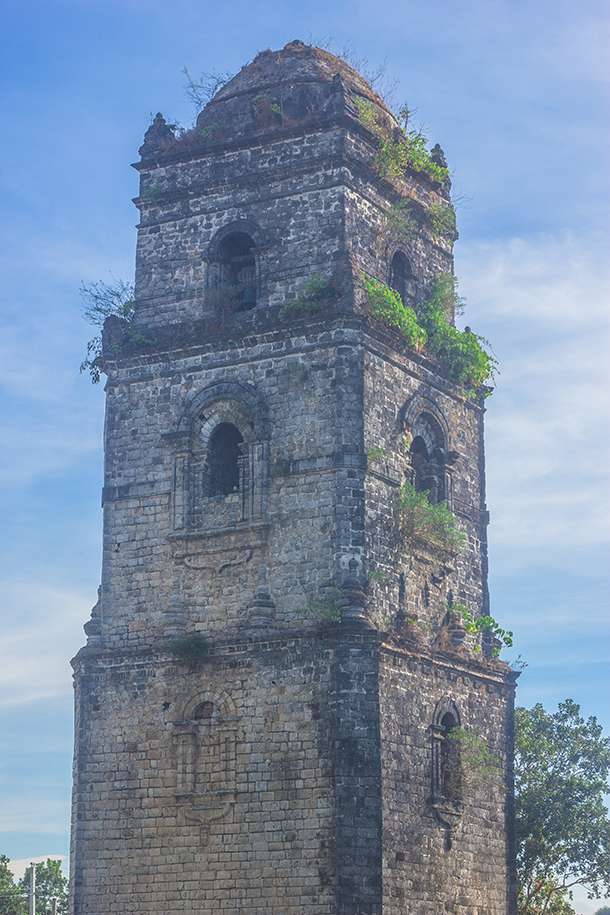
(103, 300)
(430, 526)
(399, 150)
(317, 293)
(464, 355)
(386, 305)
(192, 649)
(481, 624)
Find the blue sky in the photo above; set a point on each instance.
(516, 93)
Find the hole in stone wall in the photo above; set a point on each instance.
(401, 278)
(224, 460)
(429, 475)
(239, 268)
(451, 767)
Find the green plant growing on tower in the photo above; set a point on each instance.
(324, 609)
(317, 293)
(465, 356)
(376, 453)
(480, 624)
(101, 301)
(400, 218)
(201, 91)
(471, 765)
(192, 649)
(430, 526)
(152, 192)
(268, 110)
(399, 150)
(386, 305)
(441, 221)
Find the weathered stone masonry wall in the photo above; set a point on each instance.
(304, 788)
(312, 204)
(323, 505)
(181, 815)
(396, 389)
(313, 522)
(421, 874)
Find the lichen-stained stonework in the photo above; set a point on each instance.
(254, 454)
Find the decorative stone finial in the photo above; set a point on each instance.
(352, 603)
(438, 156)
(261, 613)
(93, 627)
(174, 615)
(156, 137)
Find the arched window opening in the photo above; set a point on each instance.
(401, 278)
(224, 456)
(428, 471)
(451, 764)
(239, 268)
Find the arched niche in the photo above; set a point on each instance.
(234, 268)
(205, 740)
(221, 458)
(446, 796)
(430, 458)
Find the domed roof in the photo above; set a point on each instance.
(284, 88)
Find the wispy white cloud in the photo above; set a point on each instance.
(543, 302)
(41, 631)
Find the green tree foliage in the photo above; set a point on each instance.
(12, 901)
(50, 883)
(562, 765)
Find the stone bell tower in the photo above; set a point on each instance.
(295, 757)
